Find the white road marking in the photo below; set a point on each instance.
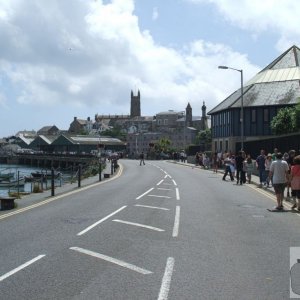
(166, 281)
(112, 260)
(159, 196)
(163, 189)
(174, 182)
(168, 176)
(154, 207)
(18, 211)
(100, 221)
(177, 194)
(21, 267)
(139, 225)
(167, 184)
(160, 182)
(176, 222)
(139, 197)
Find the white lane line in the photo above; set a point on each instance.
(139, 197)
(166, 281)
(176, 222)
(100, 221)
(168, 176)
(139, 225)
(112, 260)
(158, 196)
(18, 211)
(21, 267)
(164, 189)
(154, 207)
(160, 182)
(177, 194)
(174, 182)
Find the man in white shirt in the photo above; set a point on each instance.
(279, 171)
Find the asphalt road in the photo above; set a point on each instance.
(159, 231)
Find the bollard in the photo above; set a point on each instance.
(18, 182)
(52, 182)
(100, 170)
(79, 176)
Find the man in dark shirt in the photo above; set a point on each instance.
(240, 174)
(260, 165)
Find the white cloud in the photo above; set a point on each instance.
(278, 16)
(87, 54)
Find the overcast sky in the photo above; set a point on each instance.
(65, 58)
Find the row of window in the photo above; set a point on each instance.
(224, 117)
(162, 122)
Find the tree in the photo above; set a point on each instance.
(204, 137)
(297, 115)
(285, 121)
(163, 145)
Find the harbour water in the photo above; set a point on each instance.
(21, 171)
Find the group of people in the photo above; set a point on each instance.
(280, 170)
(240, 165)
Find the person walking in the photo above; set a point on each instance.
(249, 167)
(239, 168)
(295, 182)
(227, 163)
(260, 165)
(268, 163)
(142, 157)
(279, 173)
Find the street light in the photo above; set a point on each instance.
(242, 103)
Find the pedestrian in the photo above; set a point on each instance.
(233, 165)
(279, 174)
(295, 182)
(249, 167)
(290, 161)
(268, 163)
(260, 165)
(239, 167)
(215, 162)
(275, 151)
(227, 163)
(142, 157)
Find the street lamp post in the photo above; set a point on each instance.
(242, 103)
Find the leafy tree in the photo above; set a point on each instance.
(297, 115)
(163, 145)
(284, 121)
(204, 137)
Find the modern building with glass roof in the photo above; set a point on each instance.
(275, 87)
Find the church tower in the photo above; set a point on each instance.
(188, 116)
(135, 105)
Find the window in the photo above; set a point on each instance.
(165, 121)
(158, 122)
(216, 146)
(253, 115)
(221, 146)
(266, 115)
(226, 145)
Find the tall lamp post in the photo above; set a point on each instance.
(242, 103)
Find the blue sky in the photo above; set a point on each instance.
(62, 59)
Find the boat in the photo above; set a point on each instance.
(6, 176)
(12, 183)
(38, 175)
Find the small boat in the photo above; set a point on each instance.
(6, 176)
(12, 183)
(38, 175)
